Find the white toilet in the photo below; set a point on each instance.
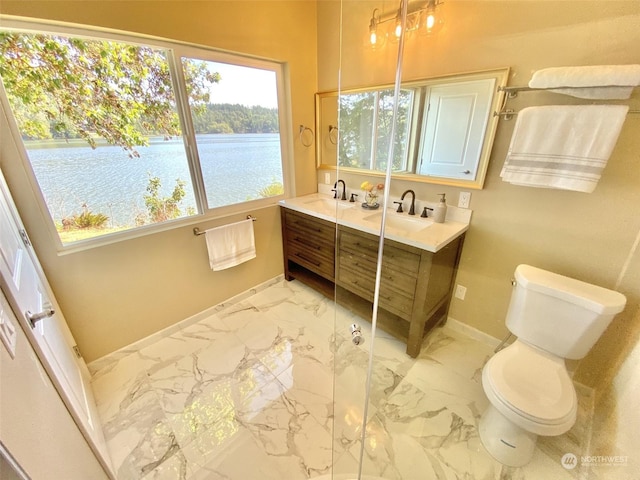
(553, 317)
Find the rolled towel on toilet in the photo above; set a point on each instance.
(596, 82)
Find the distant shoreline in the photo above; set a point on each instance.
(51, 143)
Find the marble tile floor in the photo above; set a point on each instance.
(248, 393)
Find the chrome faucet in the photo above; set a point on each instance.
(412, 209)
(344, 189)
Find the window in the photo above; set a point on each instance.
(365, 129)
(233, 138)
(121, 135)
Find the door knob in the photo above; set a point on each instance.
(36, 317)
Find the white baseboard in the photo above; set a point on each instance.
(472, 332)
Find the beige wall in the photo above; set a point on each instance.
(116, 294)
(588, 236)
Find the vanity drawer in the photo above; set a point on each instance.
(315, 229)
(403, 282)
(314, 245)
(366, 246)
(311, 259)
(358, 253)
(391, 299)
(310, 243)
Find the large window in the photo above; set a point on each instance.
(121, 135)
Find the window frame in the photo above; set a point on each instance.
(176, 50)
(374, 159)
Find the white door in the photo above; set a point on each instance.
(43, 322)
(454, 128)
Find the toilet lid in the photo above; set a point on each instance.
(533, 383)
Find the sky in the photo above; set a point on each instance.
(244, 85)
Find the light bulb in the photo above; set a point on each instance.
(431, 21)
(398, 29)
(373, 30)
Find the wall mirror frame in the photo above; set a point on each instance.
(447, 137)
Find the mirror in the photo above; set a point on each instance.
(445, 131)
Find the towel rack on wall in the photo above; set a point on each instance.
(306, 142)
(512, 92)
(197, 231)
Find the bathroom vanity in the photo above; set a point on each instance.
(418, 265)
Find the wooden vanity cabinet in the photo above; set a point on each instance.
(308, 242)
(416, 285)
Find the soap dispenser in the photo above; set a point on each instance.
(440, 212)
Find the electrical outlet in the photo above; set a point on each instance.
(464, 199)
(327, 178)
(461, 292)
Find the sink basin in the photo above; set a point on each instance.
(397, 222)
(328, 204)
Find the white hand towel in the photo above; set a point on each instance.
(596, 82)
(230, 245)
(564, 147)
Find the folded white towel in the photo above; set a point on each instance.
(230, 245)
(564, 147)
(591, 81)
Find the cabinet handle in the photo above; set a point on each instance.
(307, 243)
(317, 264)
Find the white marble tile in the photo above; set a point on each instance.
(205, 386)
(458, 352)
(310, 383)
(233, 453)
(174, 468)
(272, 376)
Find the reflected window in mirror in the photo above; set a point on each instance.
(444, 131)
(366, 121)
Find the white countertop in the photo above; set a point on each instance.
(411, 230)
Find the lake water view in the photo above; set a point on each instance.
(235, 168)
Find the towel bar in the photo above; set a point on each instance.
(508, 113)
(197, 231)
(512, 92)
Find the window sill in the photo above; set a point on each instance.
(245, 208)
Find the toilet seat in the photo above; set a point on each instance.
(532, 388)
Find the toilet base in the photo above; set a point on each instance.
(504, 440)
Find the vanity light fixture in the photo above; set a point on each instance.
(422, 16)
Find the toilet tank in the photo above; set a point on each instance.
(559, 314)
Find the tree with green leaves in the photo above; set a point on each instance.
(159, 208)
(95, 88)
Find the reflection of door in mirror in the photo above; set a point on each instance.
(444, 132)
(453, 128)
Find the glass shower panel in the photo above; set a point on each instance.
(425, 410)
(366, 127)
